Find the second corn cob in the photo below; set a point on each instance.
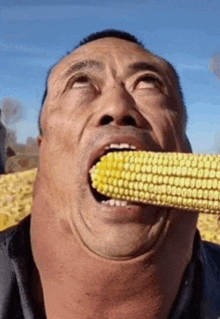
(180, 180)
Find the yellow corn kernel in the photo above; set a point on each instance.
(6, 221)
(183, 181)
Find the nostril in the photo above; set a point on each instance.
(106, 120)
(128, 120)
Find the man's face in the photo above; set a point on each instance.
(107, 95)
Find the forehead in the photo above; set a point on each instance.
(117, 53)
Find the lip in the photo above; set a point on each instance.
(123, 214)
(128, 139)
(100, 151)
(128, 212)
(132, 209)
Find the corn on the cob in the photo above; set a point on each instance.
(180, 180)
(6, 221)
(15, 197)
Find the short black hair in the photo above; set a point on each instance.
(110, 33)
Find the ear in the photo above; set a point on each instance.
(39, 140)
(188, 145)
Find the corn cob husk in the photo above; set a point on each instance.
(15, 197)
(179, 180)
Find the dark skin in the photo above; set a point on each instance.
(97, 260)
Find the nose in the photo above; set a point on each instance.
(117, 107)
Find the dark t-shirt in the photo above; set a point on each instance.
(198, 296)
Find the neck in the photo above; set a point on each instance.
(76, 283)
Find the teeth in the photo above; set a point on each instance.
(121, 146)
(124, 203)
(117, 146)
(114, 202)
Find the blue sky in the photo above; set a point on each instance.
(35, 34)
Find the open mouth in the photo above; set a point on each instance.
(105, 200)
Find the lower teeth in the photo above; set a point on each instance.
(115, 202)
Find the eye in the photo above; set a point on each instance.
(148, 82)
(82, 81)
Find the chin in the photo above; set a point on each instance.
(116, 231)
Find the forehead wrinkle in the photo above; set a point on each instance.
(84, 64)
(143, 66)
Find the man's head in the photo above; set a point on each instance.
(124, 36)
(109, 93)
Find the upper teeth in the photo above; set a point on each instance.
(121, 146)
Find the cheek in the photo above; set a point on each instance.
(59, 167)
(165, 124)
(62, 127)
(72, 112)
(78, 100)
(171, 132)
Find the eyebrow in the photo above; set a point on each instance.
(135, 67)
(143, 66)
(84, 65)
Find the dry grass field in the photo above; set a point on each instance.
(16, 198)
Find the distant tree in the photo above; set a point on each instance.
(12, 109)
(11, 136)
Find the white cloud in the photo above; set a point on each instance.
(214, 65)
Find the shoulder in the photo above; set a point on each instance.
(212, 248)
(212, 254)
(14, 272)
(7, 236)
(210, 272)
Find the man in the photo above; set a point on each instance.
(3, 136)
(92, 257)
